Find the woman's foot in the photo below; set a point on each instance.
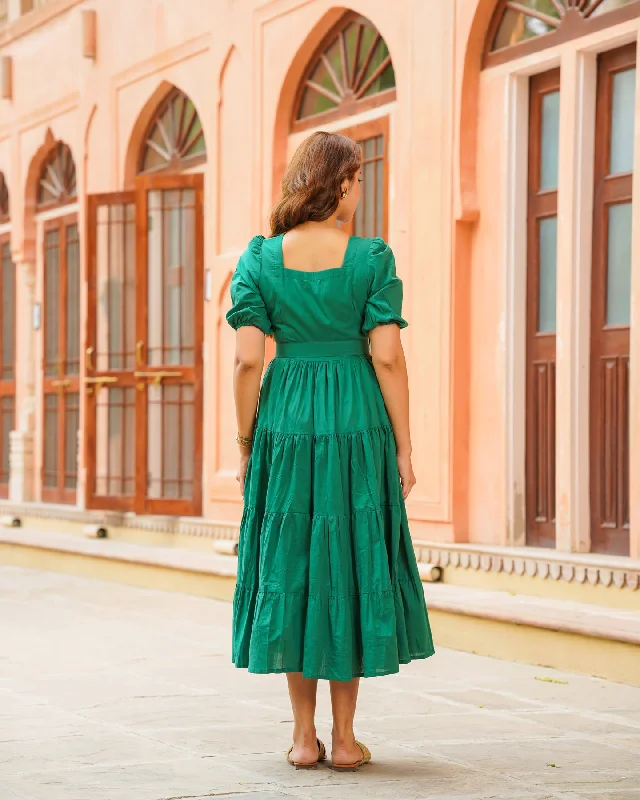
(344, 750)
(306, 749)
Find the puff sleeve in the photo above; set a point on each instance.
(248, 307)
(384, 304)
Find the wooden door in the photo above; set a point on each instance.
(371, 217)
(144, 347)
(7, 358)
(610, 301)
(61, 363)
(170, 332)
(110, 354)
(541, 310)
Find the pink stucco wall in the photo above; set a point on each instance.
(449, 204)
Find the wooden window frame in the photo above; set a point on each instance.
(609, 190)
(176, 165)
(369, 130)
(67, 198)
(572, 27)
(5, 208)
(541, 351)
(348, 107)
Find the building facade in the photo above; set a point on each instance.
(141, 146)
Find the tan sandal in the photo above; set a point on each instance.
(322, 756)
(366, 758)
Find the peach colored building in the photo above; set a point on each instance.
(141, 145)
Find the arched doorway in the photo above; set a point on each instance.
(57, 218)
(145, 330)
(520, 29)
(350, 75)
(7, 337)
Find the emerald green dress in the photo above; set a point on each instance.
(328, 583)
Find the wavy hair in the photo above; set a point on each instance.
(312, 181)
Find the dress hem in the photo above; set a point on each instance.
(313, 676)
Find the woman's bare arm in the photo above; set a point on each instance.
(248, 366)
(391, 369)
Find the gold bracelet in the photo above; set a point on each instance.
(244, 441)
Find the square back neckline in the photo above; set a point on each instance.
(314, 273)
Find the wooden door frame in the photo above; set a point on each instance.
(369, 130)
(541, 205)
(7, 387)
(609, 191)
(62, 383)
(123, 379)
(145, 184)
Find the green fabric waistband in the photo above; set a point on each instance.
(346, 347)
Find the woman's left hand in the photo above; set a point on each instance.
(242, 469)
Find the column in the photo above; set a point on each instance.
(575, 230)
(22, 483)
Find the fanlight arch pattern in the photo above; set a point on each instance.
(351, 70)
(522, 26)
(5, 211)
(175, 139)
(57, 184)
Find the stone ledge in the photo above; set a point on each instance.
(168, 557)
(187, 526)
(522, 610)
(580, 568)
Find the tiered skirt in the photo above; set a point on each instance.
(328, 583)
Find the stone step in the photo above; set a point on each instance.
(591, 639)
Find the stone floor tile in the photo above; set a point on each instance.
(529, 755)
(115, 693)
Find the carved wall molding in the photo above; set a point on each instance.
(578, 568)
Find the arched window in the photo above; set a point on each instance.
(351, 70)
(4, 200)
(175, 139)
(523, 26)
(57, 184)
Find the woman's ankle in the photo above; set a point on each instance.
(305, 737)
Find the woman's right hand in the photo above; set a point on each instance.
(407, 476)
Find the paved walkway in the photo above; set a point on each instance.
(114, 693)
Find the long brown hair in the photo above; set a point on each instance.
(311, 184)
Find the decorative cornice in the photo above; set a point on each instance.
(592, 569)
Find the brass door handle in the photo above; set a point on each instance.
(98, 383)
(88, 359)
(61, 385)
(156, 378)
(140, 353)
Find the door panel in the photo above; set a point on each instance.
(541, 310)
(170, 325)
(610, 302)
(61, 360)
(144, 439)
(7, 358)
(111, 352)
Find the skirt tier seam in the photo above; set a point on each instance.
(397, 583)
(368, 509)
(333, 435)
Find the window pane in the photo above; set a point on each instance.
(623, 107)
(619, 265)
(550, 136)
(518, 27)
(548, 238)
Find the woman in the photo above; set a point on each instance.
(328, 585)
